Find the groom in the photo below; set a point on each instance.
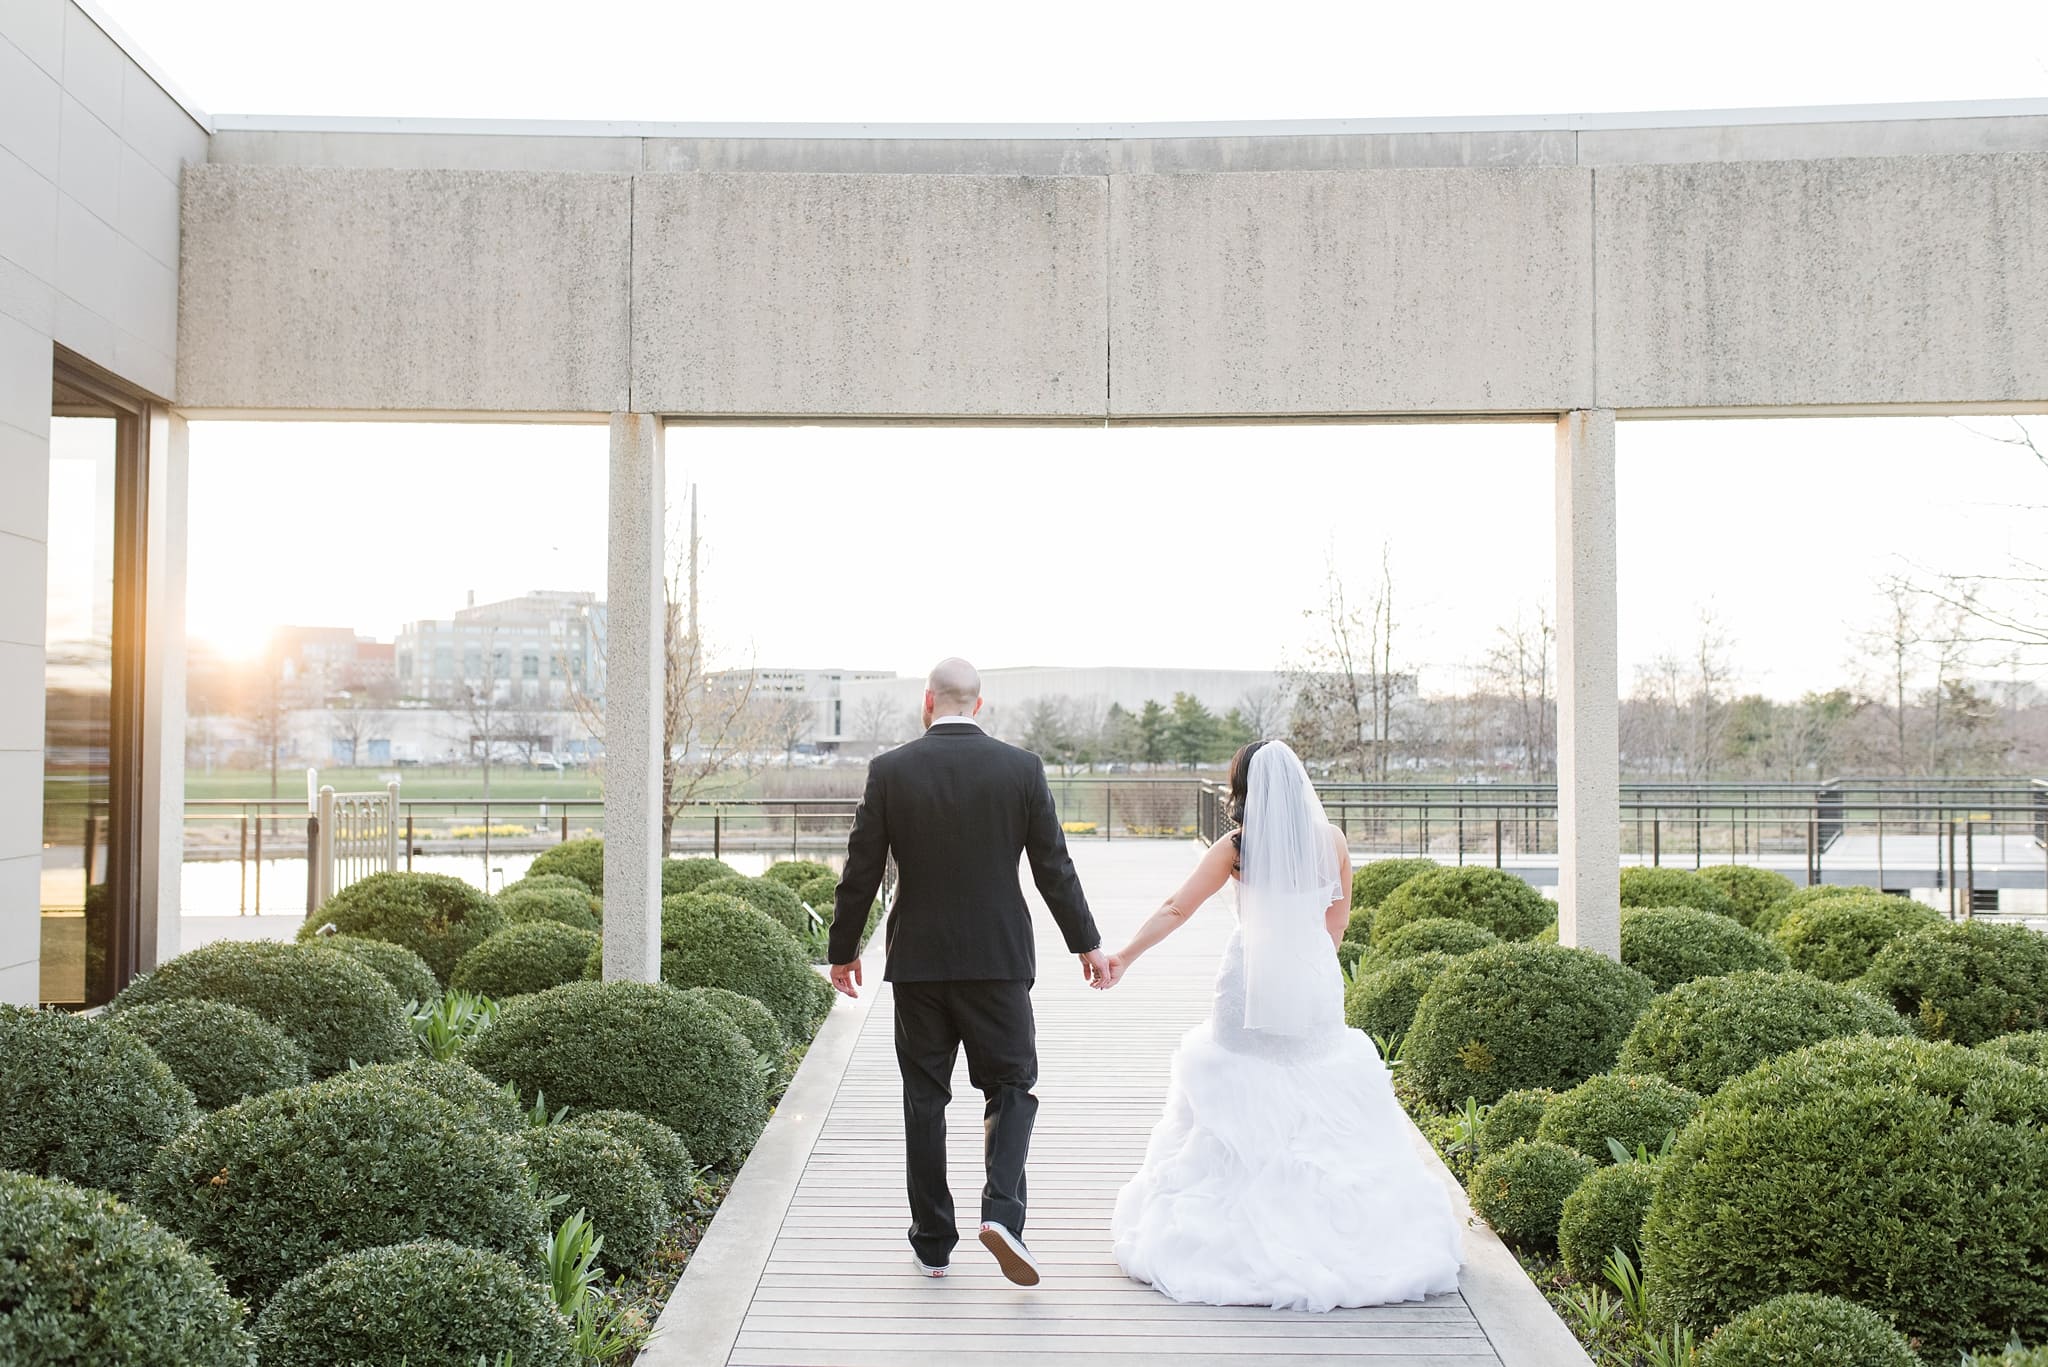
(956, 807)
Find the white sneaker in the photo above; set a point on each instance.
(926, 1268)
(1011, 1255)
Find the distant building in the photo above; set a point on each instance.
(545, 647)
(887, 709)
(818, 693)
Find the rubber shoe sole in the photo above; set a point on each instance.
(1011, 1255)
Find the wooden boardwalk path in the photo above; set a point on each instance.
(815, 1272)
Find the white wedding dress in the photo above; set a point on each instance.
(1283, 1173)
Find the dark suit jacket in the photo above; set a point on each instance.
(957, 807)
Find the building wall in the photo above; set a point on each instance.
(1007, 694)
(91, 149)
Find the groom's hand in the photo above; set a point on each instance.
(846, 977)
(1095, 968)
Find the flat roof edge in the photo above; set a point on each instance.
(135, 54)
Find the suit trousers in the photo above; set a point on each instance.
(992, 1020)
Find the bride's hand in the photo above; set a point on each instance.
(1117, 964)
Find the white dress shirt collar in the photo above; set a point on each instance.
(946, 721)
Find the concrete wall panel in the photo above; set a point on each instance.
(1890, 280)
(1400, 291)
(426, 151)
(850, 295)
(424, 290)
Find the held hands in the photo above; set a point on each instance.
(846, 978)
(1103, 971)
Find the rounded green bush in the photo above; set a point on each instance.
(754, 1021)
(633, 1046)
(483, 1101)
(2030, 1048)
(1647, 886)
(1804, 1328)
(582, 860)
(565, 906)
(1440, 934)
(86, 1279)
(1671, 945)
(1965, 981)
(1496, 901)
(1766, 921)
(660, 1147)
(1521, 1190)
(425, 1302)
(1349, 952)
(609, 1179)
(335, 1009)
(1750, 890)
(1512, 1117)
(794, 873)
(1370, 883)
(2013, 1356)
(1521, 1015)
(436, 917)
(1906, 1175)
(688, 875)
(543, 882)
(1382, 1001)
(531, 957)
(767, 896)
(712, 940)
(406, 971)
(1640, 1110)
(1605, 1213)
(284, 1181)
(83, 1101)
(1358, 930)
(1704, 1032)
(1838, 939)
(222, 1053)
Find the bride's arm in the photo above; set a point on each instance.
(1337, 918)
(1208, 878)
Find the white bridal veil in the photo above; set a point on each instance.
(1287, 867)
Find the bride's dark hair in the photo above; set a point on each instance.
(1240, 779)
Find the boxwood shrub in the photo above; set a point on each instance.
(222, 1053)
(687, 875)
(334, 1008)
(1704, 1032)
(582, 860)
(2030, 1048)
(1500, 902)
(1838, 938)
(1358, 930)
(1648, 886)
(1965, 981)
(1766, 921)
(567, 906)
(1382, 1000)
(284, 1181)
(660, 1147)
(1349, 952)
(1438, 933)
(1750, 890)
(1908, 1176)
(767, 896)
(485, 1102)
(1520, 1015)
(86, 1279)
(1671, 945)
(606, 1177)
(1512, 1117)
(425, 1302)
(406, 971)
(1801, 1327)
(1605, 1213)
(1520, 1191)
(711, 940)
(633, 1046)
(542, 882)
(437, 917)
(1370, 883)
(754, 1021)
(530, 957)
(794, 873)
(1639, 1110)
(83, 1101)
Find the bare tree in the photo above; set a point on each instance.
(353, 721)
(1264, 710)
(1521, 667)
(1889, 652)
(1707, 708)
(875, 719)
(1344, 687)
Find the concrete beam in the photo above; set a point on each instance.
(635, 662)
(1588, 687)
(163, 691)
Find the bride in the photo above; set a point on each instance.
(1282, 1173)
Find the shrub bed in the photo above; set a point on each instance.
(1640, 1111)
(1358, 930)
(1382, 1001)
(543, 882)
(1750, 890)
(221, 1053)
(1802, 1328)
(1838, 938)
(334, 1008)
(769, 897)
(437, 917)
(1603, 1214)
(566, 906)
(1647, 886)
(1704, 1032)
(531, 957)
(83, 1101)
(582, 860)
(1520, 1015)
(1497, 901)
(633, 1046)
(426, 1302)
(606, 1177)
(1908, 1176)
(687, 875)
(1514, 1116)
(86, 1279)
(483, 1101)
(1766, 921)
(661, 1148)
(2030, 1048)
(795, 873)
(1438, 934)
(1370, 883)
(1671, 945)
(711, 940)
(1966, 981)
(1349, 952)
(1520, 1191)
(406, 971)
(279, 1184)
(755, 1022)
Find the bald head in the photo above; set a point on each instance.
(953, 688)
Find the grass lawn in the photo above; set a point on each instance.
(506, 782)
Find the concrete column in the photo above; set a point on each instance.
(634, 661)
(25, 358)
(1588, 687)
(163, 690)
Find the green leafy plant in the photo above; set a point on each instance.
(1750, 890)
(1499, 902)
(1620, 1271)
(1433, 934)
(529, 957)
(1671, 945)
(602, 1332)
(2030, 1048)
(608, 1180)
(1604, 1215)
(712, 940)
(1837, 939)
(1521, 1190)
(1370, 883)
(1381, 1000)
(662, 1148)
(1594, 1314)
(582, 860)
(1648, 886)
(223, 1053)
(437, 917)
(1807, 1328)
(406, 971)
(482, 1101)
(1701, 1033)
(84, 1101)
(1766, 921)
(777, 901)
(443, 1026)
(538, 1116)
(755, 1022)
(1968, 982)
(1630, 1109)
(1673, 1348)
(568, 906)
